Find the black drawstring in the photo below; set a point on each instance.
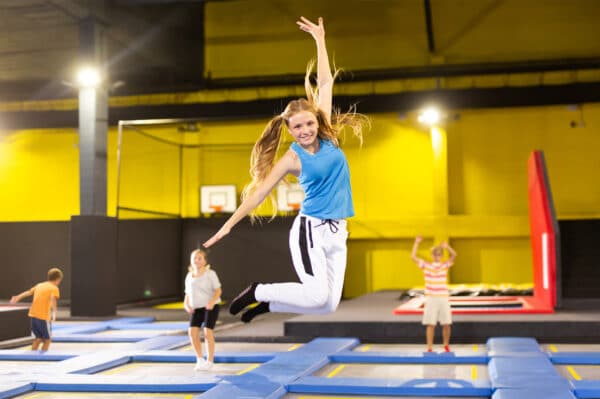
(333, 225)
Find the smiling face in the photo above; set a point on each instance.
(304, 127)
(198, 260)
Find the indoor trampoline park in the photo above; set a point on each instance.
(285, 199)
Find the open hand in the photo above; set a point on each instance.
(316, 31)
(223, 231)
(14, 299)
(418, 239)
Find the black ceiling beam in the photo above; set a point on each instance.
(450, 99)
(426, 71)
(153, 80)
(155, 2)
(429, 26)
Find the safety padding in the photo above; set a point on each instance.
(9, 389)
(574, 357)
(288, 366)
(524, 372)
(161, 343)
(223, 357)
(512, 346)
(269, 379)
(92, 363)
(96, 338)
(586, 389)
(84, 329)
(126, 323)
(29, 355)
(533, 393)
(131, 320)
(150, 326)
(246, 390)
(381, 386)
(112, 383)
(408, 358)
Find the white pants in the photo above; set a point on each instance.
(318, 250)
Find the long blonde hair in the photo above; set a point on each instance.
(266, 148)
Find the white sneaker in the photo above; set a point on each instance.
(203, 365)
(200, 364)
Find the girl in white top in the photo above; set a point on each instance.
(202, 298)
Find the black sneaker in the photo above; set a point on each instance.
(244, 299)
(262, 307)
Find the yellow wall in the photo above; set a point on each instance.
(39, 175)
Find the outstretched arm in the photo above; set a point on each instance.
(24, 294)
(451, 251)
(415, 248)
(284, 166)
(324, 76)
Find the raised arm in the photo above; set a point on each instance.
(284, 166)
(450, 250)
(415, 248)
(24, 294)
(324, 76)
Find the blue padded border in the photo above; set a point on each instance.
(158, 384)
(504, 345)
(222, 357)
(245, 391)
(180, 325)
(77, 330)
(92, 363)
(11, 389)
(165, 342)
(525, 372)
(19, 354)
(94, 338)
(407, 358)
(589, 389)
(131, 320)
(574, 357)
(380, 386)
(533, 393)
(269, 379)
(288, 366)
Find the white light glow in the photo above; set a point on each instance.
(430, 116)
(88, 77)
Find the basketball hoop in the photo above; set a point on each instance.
(294, 205)
(216, 208)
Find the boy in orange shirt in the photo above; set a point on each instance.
(43, 307)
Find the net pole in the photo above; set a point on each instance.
(180, 178)
(119, 144)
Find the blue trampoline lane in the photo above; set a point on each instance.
(137, 358)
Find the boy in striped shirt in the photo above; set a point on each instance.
(437, 303)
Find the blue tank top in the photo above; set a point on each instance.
(325, 179)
